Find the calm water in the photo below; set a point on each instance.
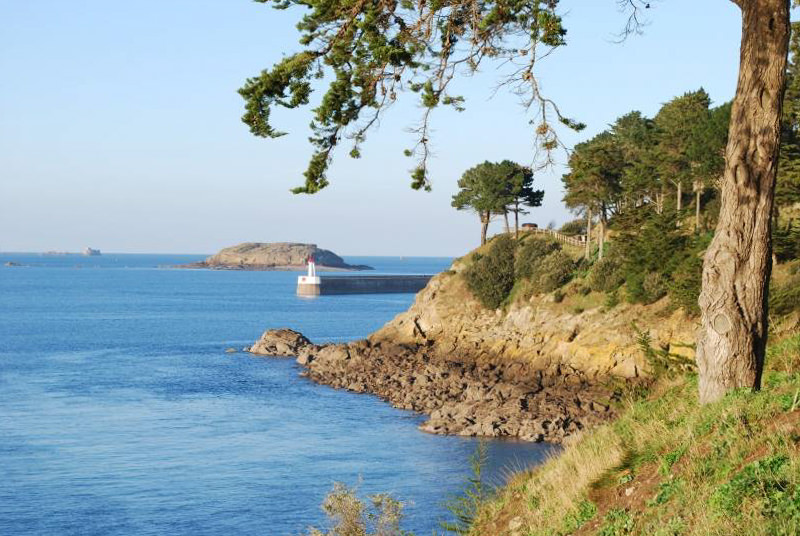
(121, 414)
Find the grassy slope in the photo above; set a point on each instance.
(670, 467)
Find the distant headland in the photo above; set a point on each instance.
(274, 256)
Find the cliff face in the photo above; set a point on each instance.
(599, 341)
(278, 255)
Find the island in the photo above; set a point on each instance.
(274, 256)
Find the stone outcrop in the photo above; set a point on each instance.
(280, 343)
(462, 397)
(597, 341)
(274, 256)
(538, 371)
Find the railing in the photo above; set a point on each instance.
(579, 240)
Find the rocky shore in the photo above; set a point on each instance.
(538, 370)
(476, 398)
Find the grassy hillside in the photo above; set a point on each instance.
(670, 467)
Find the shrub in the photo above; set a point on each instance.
(491, 276)
(612, 299)
(353, 517)
(654, 287)
(552, 272)
(785, 299)
(787, 241)
(684, 289)
(574, 227)
(465, 506)
(649, 243)
(530, 254)
(606, 275)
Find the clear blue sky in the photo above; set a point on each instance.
(120, 126)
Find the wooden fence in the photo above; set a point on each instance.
(579, 240)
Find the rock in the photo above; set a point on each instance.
(535, 372)
(280, 343)
(274, 256)
(230, 350)
(515, 524)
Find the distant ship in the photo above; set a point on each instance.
(89, 252)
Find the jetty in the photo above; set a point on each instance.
(313, 285)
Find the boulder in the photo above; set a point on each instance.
(280, 343)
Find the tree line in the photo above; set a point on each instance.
(497, 188)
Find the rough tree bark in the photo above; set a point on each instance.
(588, 252)
(732, 340)
(485, 217)
(698, 191)
(602, 231)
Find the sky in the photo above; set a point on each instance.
(120, 127)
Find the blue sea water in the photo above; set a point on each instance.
(121, 413)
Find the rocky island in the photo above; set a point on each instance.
(274, 256)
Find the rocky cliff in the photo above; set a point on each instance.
(538, 370)
(578, 332)
(275, 256)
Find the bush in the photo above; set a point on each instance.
(654, 287)
(491, 276)
(574, 227)
(612, 299)
(787, 241)
(684, 290)
(552, 272)
(649, 243)
(785, 299)
(530, 254)
(606, 275)
(353, 517)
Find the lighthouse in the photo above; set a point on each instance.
(308, 285)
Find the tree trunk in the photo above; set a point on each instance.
(679, 198)
(602, 232)
(660, 201)
(602, 240)
(505, 217)
(484, 226)
(516, 221)
(732, 340)
(588, 232)
(698, 192)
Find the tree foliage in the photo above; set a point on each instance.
(496, 188)
(787, 191)
(370, 53)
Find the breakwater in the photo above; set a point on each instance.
(372, 284)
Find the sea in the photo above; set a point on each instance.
(121, 413)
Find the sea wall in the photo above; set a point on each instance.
(373, 284)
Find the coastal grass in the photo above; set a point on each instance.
(668, 466)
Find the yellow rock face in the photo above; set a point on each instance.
(595, 341)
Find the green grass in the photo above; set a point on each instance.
(669, 466)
